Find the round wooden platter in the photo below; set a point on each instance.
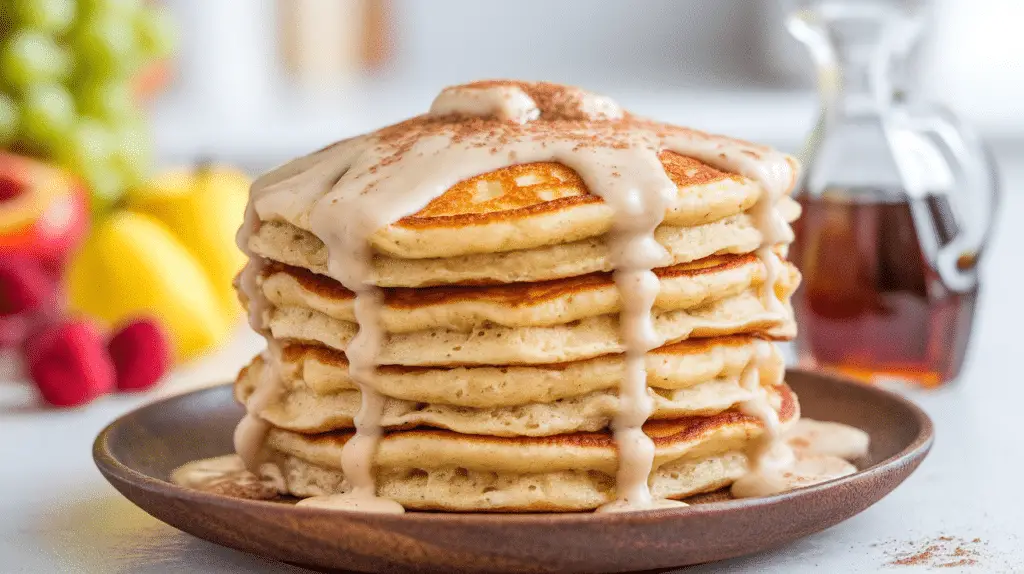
(137, 453)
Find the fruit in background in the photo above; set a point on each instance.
(10, 119)
(24, 287)
(131, 265)
(42, 219)
(29, 299)
(69, 363)
(105, 46)
(13, 329)
(151, 80)
(53, 16)
(28, 57)
(131, 154)
(48, 114)
(141, 353)
(155, 33)
(68, 67)
(111, 102)
(42, 212)
(171, 255)
(204, 208)
(106, 185)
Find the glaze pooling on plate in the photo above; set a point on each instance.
(352, 189)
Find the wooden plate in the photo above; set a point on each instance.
(137, 452)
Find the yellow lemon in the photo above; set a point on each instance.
(132, 265)
(203, 208)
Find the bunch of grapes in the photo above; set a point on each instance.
(66, 92)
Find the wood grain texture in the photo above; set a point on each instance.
(137, 452)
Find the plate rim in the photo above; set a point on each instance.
(113, 469)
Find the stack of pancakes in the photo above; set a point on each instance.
(503, 358)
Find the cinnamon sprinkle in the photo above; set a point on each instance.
(562, 118)
(939, 552)
(920, 558)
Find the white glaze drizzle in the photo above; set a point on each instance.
(804, 470)
(771, 454)
(501, 102)
(824, 438)
(808, 453)
(361, 185)
(228, 474)
(252, 430)
(634, 253)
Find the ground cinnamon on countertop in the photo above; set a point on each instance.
(965, 562)
(939, 552)
(919, 559)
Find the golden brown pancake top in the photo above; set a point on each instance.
(532, 188)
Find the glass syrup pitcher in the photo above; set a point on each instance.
(898, 203)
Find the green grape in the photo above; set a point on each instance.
(105, 47)
(89, 143)
(114, 7)
(29, 57)
(53, 16)
(132, 153)
(9, 120)
(156, 32)
(106, 186)
(48, 114)
(111, 101)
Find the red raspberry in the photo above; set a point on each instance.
(141, 354)
(23, 285)
(69, 364)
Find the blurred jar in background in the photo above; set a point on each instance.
(898, 203)
(327, 43)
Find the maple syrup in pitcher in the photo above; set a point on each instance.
(870, 303)
(897, 198)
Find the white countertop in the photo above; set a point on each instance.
(57, 514)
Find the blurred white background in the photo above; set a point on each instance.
(257, 81)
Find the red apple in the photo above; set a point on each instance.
(43, 212)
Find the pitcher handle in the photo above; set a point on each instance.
(977, 181)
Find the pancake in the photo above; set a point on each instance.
(428, 449)
(285, 243)
(527, 299)
(537, 204)
(461, 490)
(494, 345)
(324, 371)
(560, 301)
(566, 472)
(531, 205)
(301, 409)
